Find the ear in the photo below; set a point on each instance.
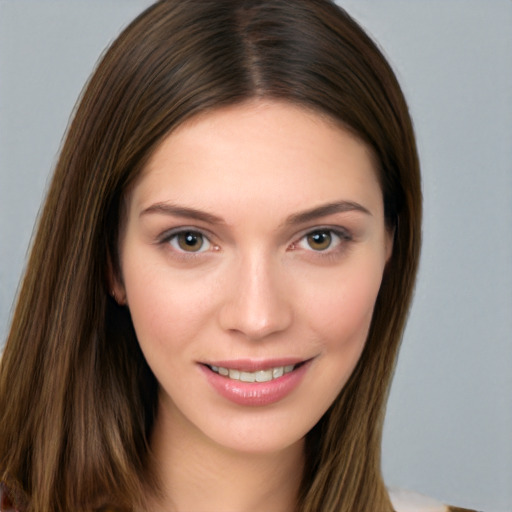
(114, 281)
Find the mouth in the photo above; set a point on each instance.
(266, 375)
(252, 372)
(250, 382)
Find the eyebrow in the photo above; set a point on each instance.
(182, 211)
(296, 218)
(324, 210)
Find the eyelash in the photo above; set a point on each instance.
(172, 236)
(338, 239)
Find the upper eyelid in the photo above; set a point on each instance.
(337, 230)
(170, 233)
(167, 236)
(345, 237)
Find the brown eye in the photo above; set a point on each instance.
(190, 241)
(319, 240)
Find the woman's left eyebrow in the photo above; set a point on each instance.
(324, 210)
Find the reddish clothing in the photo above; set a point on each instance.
(11, 500)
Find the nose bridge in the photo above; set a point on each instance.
(258, 305)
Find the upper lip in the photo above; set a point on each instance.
(252, 365)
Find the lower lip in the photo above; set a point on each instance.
(256, 393)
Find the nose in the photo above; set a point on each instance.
(258, 303)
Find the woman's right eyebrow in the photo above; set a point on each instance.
(182, 211)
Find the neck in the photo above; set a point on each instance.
(198, 475)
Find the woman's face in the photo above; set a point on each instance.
(251, 259)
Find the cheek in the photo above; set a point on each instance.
(341, 310)
(166, 312)
(338, 312)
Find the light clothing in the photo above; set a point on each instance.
(409, 501)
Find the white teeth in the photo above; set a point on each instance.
(264, 376)
(257, 376)
(234, 374)
(278, 372)
(247, 376)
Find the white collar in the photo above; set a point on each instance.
(409, 501)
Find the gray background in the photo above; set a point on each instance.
(449, 425)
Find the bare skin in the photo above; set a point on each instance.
(208, 475)
(254, 248)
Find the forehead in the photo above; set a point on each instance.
(262, 150)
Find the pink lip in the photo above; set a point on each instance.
(256, 393)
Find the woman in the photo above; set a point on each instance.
(222, 272)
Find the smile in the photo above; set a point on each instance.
(257, 376)
(252, 383)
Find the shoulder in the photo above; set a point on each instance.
(409, 501)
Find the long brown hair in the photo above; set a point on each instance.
(77, 399)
